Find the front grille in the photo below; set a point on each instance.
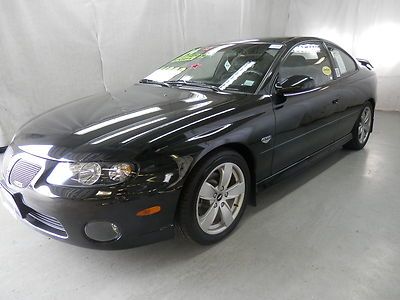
(49, 224)
(23, 172)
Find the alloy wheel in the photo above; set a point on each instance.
(220, 198)
(364, 126)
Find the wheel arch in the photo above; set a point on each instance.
(247, 155)
(373, 102)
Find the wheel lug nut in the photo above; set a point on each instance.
(226, 194)
(222, 204)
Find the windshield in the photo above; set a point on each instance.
(234, 67)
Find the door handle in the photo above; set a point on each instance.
(279, 106)
(336, 101)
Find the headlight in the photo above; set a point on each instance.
(120, 172)
(91, 173)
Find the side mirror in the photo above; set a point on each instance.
(295, 84)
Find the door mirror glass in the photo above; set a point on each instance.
(295, 84)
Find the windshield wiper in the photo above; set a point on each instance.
(193, 83)
(150, 81)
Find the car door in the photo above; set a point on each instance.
(350, 96)
(304, 120)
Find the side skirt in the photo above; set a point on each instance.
(303, 163)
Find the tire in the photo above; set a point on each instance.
(362, 129)
(207, 213)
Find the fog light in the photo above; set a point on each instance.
(102, 231)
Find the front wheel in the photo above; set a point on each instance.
(362, 128)
(214, 197)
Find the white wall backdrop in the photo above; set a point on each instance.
(52, 52)
(366, 28)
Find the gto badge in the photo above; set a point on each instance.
(266, 139)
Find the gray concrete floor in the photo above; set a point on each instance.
(331, 232)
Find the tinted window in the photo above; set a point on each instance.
(344, 63)
(309, 59)
(233, 67)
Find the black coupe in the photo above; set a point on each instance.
(189, 145)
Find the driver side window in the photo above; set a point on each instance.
(307, 60)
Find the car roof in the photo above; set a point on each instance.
(281, 40)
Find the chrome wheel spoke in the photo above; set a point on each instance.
(209, 217)
(363, 116)
(226, 174)
(207, 191)
(226, 214)
(367, 126)
(235, 190)
(360, 133)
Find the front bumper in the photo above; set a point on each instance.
(65, 218)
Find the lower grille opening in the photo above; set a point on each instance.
(42, 222)
(46, 223)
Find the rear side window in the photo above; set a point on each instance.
(309, 59)
(344, 63)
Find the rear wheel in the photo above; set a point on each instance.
(362, 128)
(214, 197)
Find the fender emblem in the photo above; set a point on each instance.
(266, 139)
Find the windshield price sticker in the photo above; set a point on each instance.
(189, 56)
(275, 46)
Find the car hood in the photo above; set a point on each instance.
(99, 126)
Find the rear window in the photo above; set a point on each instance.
(344, 63)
